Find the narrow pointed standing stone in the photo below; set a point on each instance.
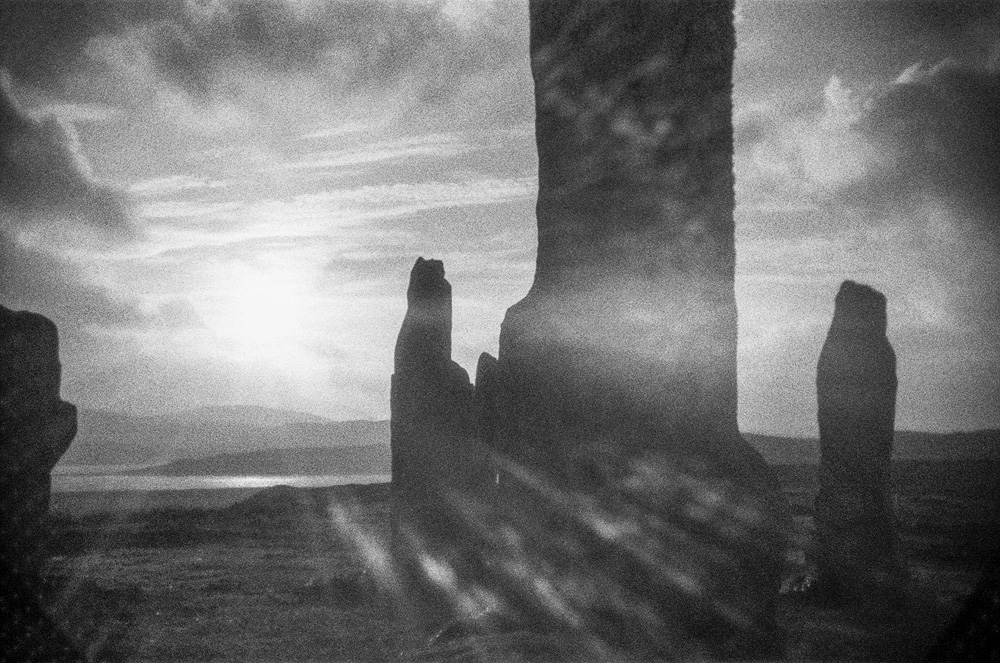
(435, 460)
(858, 544)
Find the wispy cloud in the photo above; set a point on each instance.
(209, 222)
(162, 186)
(379, 201)
(44, 175)
(410, 148)
(52, 207)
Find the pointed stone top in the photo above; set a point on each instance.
(860, 306)
(427, 281)
(425, 337)
(428, 266)
(27, 323)
(29, 355)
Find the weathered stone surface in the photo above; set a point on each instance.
(639, 513)
(36, 428)
(858, 545)
(437, 464)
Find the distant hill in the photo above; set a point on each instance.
(107, 438)
(365, 459)
(249, 415)
(907, 446)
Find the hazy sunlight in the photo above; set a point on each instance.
(261, 313)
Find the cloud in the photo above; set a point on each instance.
(174, 184)
(42, 41)
(371, 210)
(225, 65)
(179, 313)
(52, 207)
(788, 154)
(787, 45)
(928, 138)
(362, 42)
(44, 175)
(401, 199)
(40, 281)
(131, 375)
(937, 131)
(887, 132)
(408, 149)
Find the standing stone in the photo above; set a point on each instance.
(36, 428)
(436, 463)
(858, 545)
(485, 399)
(655, 527)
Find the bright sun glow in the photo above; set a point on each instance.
(262, 315)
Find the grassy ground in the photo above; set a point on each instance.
(272, 580)
(188, 584)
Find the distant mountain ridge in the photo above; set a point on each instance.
(907, 446)
(109, 438)
(256, 415)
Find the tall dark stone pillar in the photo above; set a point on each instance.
(612, 403)
(36, 428)
(858, 544)
(436, 463)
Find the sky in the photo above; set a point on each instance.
(219, 201)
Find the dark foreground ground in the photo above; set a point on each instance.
(283, 575)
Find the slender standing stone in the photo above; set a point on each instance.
(613, 398)
(858, 545)
(436, 464)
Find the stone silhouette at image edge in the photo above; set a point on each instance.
(857, 552)
(36, 428)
